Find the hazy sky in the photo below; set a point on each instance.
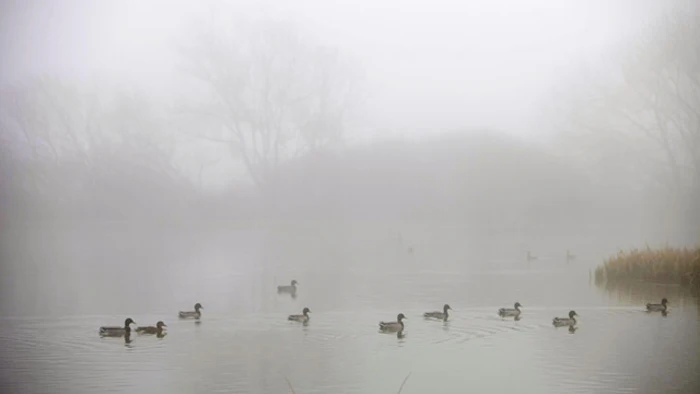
(429, 65)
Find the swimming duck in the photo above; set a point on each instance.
(510, 312)
(288, 289)
(303, 318)
(115, 331)
(437, 314)
(563, 321)
(196, 314)
(662, 307)
(158, 329)
(394, 325)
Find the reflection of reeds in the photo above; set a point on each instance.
(666, 265)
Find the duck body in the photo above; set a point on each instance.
(292, 288)
(563, 321)
(662, 307)
(196, 314)
(157, 329)
(515, 311)
(437, 314)
(393, 326)
(303, 318)
(116, 331)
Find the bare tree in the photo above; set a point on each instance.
(274, 93)
(78, 144)
(639, 125)
(650, 108)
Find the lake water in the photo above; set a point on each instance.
(244, 344)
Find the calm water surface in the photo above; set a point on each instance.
(244, 344)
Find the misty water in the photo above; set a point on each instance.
(59, 291)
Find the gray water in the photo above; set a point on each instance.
(244, 344)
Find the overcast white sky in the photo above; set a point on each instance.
(430, 65)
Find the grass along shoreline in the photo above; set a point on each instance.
(665, 265)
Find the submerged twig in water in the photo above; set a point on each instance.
(404, 382)
(290, 385)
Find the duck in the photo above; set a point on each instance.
(437, 314)
(196, 314)
(563, 321)
(394, 325)
(157, 329)
(116, 331)
(503, 312)
(303, 318)
(662, 307)
(288, 289)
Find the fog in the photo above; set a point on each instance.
(145, 143)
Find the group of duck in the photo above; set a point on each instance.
(390, 326)
(158, 329)
(398, 325)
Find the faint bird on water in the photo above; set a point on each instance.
(393, 326)
(563, 321)
(515, 311)
(157, 329)
(662, 307)
(196, 314)
(437, 314)
(303, 318)
(292, 288)
(116, 331)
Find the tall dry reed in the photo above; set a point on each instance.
(667, 265)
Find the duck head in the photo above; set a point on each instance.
(517, 305)
(306, 311)
(446, 308)
(160, 324)
(198, 306)
(664, 301)
(400, 317)
(128, 322)
(572, 314)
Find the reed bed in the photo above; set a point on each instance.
(665, 265)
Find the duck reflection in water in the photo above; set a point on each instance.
(572, 329)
